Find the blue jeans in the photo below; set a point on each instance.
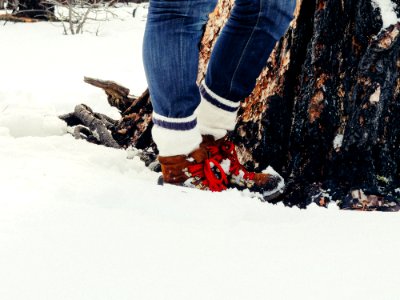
(171, 54)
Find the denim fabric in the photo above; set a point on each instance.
(245, 43)
(171, 49)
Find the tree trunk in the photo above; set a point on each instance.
(324, 112)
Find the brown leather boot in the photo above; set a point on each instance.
(196, 170)
(269, 183)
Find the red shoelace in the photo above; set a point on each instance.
(228, 151)
(211, 173)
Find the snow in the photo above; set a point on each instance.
(338, 141)
(80, 221)
(375, 97)
(388, 13)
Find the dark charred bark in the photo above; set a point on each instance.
(33, 9)
(326, 118)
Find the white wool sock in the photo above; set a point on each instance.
(175, 136)
(215, 115)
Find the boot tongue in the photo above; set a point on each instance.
(210, 140)
(199, 155)
(207, 140)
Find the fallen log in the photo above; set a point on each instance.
(97, 125)
(16, 19)
(134, 126)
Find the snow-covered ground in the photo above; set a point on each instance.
(79, 221)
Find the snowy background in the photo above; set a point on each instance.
(80, 221)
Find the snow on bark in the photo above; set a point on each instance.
(387, 11)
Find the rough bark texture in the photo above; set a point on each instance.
(324, 111)
(217, 20)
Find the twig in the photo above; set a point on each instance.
(80, 26)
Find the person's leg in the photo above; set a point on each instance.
(170, 54)
(238, 57)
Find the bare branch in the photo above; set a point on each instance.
(71, 26)
(80, 26)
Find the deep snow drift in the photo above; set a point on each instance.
(80, 221)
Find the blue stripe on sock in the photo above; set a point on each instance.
(215, 102)
(175, 126)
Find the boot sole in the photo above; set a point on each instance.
(160, 181)
(273, 196)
